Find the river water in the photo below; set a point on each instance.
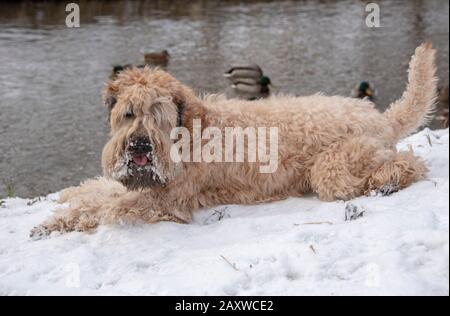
(53, 125)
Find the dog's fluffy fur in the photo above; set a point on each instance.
(337, 147)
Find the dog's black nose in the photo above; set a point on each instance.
(140, 145)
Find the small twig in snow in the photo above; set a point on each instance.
(353, 212)
(312, 248)
(233, 265)
(34, 201)
(429, 140)
(315, 223)
(220, 213)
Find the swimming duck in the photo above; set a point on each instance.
(249, 81)
(157, 58)
(117, 69)
(364, 90)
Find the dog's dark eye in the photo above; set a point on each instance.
(129, 115)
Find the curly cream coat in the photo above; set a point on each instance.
(337, 147)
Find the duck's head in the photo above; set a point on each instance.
(264, 81)
(365, 89)
(117, 68)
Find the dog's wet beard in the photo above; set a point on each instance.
(141, 180)
(137, 177)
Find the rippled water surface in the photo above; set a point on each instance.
(52, 123)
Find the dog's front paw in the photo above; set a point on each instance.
(40, 232)
(52, 224)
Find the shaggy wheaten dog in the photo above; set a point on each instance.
(337, 147)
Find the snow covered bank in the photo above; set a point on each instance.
(295, 247)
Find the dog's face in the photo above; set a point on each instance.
(144, 106)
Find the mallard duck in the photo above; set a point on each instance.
(249, 81)
(364, 90)
(117, 69)
(157, 58)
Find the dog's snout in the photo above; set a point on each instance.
(140, 145)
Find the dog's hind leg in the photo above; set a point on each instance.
(342, 170)
(397, 174)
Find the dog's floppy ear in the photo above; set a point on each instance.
(180, 113)
(110, 101)
(188, 105)
(180, 102)
(110, 97)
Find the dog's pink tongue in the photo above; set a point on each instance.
(140, 160)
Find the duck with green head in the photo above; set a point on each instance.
(249, 81)
(117, 69)
(364, 90)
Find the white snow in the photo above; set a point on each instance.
(299, 246)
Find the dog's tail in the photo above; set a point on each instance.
(416, 107)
